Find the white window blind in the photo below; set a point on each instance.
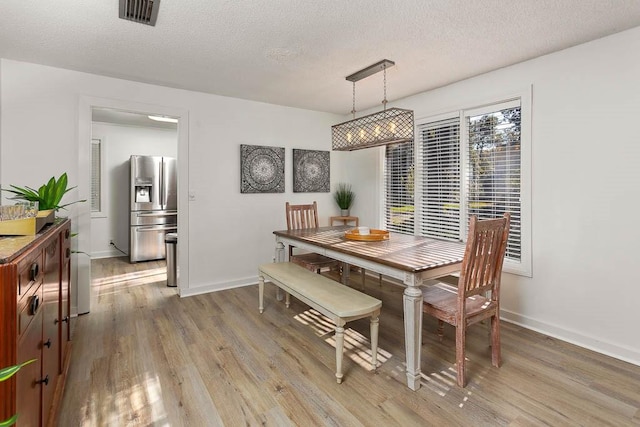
(493, 164)
(96, 175)
(439, 160)
(399, 188)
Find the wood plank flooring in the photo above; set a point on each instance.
(144, 356)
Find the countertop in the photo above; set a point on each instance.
(13, 246)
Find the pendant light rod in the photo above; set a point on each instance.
(370, 70)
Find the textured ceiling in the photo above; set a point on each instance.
(298, 52)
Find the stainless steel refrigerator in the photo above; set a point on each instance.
(154, 206)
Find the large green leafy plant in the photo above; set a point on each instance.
(5, 374)
(48, 196)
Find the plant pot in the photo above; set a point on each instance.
(344, 212)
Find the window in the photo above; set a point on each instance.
(399, 211)
(439, 157)
(97, 177)
(493, 167)
(469, 162)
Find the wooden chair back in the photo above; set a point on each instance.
(302, 216)
(481, 269)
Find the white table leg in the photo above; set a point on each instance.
(279, 257)
(339, 350)
(261, 293)
(412, 300)
(375, 324)
(279, 252)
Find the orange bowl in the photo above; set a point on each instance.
(373, 236)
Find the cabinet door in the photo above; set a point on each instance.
(28, 379)
(51, 322)
(65, 300)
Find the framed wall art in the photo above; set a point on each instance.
(261, 169)
(311, 171)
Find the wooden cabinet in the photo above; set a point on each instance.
(34, 316)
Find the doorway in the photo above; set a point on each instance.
(94, 230)
(116, 136)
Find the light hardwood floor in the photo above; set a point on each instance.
(144, 356)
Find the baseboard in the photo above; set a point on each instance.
(111, 253)
(220, 286)
(589, 342)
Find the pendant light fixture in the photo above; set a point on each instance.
(391, 126)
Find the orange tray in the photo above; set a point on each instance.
(373, 236)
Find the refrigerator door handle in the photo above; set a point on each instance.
(163, 203)
(147, 215)
(142, 229)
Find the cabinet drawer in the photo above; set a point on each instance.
(29, 308)
(28, 386)
(30, 271)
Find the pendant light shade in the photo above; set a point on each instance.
(391, 126)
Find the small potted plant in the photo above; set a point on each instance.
(344, 197)
(48, 196)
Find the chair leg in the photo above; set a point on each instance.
(440, 330)
(496, 359)
(345, 273)
(364, 276)
(460, 346)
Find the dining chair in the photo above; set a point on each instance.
(477, 294)
(303, 217)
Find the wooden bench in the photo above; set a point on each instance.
(338, 302)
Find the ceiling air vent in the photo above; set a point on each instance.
(142, 11)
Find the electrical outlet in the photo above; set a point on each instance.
(111, 243)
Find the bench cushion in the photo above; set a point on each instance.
(341, 300)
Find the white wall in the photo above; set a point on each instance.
(585, 189)
(229, 233)
(119, 143)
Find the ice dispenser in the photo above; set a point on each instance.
(143, 190)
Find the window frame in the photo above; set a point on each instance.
(100, 141)
(524, 266)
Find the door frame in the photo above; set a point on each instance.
(86, 104)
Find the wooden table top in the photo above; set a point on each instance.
(413, 254)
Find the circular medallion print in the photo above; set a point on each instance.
(310, 171)
(262, 169)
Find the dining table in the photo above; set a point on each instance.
(412, 260)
